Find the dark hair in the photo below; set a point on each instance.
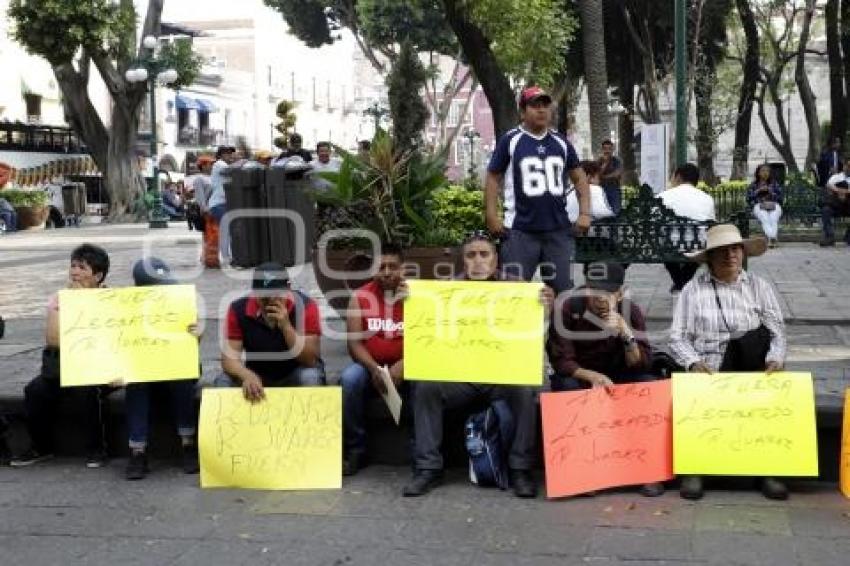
(758, 168)
(322, 144)
(478, 236)
(93, 256)
(223, 150)
(392, 248)
(590, 167)
(688, 173)
(607, 142)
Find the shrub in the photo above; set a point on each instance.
(456, 211)
(19, 198)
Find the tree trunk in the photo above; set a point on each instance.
(593, 38)
(626, 119)
(749, 84)
(124, 183)
(807, 96)
(844, 38)
(494, 82)
(837, 98)
(703, 89)
(783, 143)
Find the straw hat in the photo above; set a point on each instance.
(722, 235)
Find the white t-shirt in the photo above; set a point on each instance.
(599, 206)
(319, 167)
(688, 201)
(838, 178)
(217, 195)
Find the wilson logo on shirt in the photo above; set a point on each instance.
(384, 325)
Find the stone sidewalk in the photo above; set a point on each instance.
(60, 513)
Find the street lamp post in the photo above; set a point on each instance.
(681, 54)
(376, 112)
(152, 70)
(471, 135)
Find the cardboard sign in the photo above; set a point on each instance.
(134, 334)
(844, 466)
(474, 331)
(595, 440)
(748, 424)
(290, 440)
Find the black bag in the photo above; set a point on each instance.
(746, 352)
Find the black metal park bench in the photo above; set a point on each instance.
(646, 231)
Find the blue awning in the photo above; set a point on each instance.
(186, 103)
(205, 105)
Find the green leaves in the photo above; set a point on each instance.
(56, 30)
(20, 199)
(178, 55)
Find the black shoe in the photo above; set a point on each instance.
(772, 488)
(189, 459)
(137, 466)
(523, 484)
(423, 481)
(353, 463)
(96, 459)
(827, 242)
(691, 488)
(654, 489)
(30, 457)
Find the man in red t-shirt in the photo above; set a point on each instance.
(375, 323)
(273, 337)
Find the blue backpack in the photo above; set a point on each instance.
(489, 435)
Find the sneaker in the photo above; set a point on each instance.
(353, 463)
(772, 488)
(827, 242)
(654, 489)
(96, 459)
(28, 458)
(423, 481)
(137, 466)
(189, 459)
(523, 484)
(691, 488)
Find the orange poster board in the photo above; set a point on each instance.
(844, 470)
(595, 440)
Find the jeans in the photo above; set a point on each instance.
(301, 377)
(432, 398)
(560, 382)
(833, 206)
(218, 212)
(10, 217)
(41, 399)
(356, 390)
(522, 252)
(137, 400)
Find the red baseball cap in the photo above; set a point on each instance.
(532, 93)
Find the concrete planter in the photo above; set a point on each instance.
(32, 217)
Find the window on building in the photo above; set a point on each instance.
(33, 104)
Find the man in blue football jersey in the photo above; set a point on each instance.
(532, 162)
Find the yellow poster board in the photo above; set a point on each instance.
(134, 334)
(290, 440)
(748, 424)
(844, 465)
(474, 331)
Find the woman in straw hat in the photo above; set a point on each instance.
(728, 320)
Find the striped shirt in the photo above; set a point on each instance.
(698, 332)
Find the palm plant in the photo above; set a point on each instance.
(386, 192)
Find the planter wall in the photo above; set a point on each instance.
(32, 217)
(339, 272)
